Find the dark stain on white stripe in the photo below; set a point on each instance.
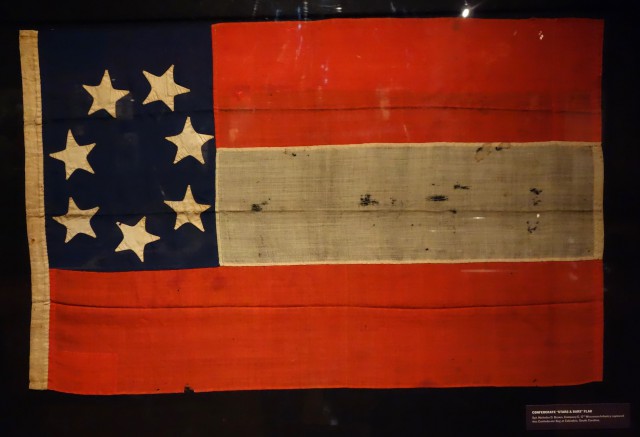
(367, 200)
(438, 198)
(257, 207)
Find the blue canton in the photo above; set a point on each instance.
(133, 169)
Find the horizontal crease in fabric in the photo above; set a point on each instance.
(285, 307)
(390, 210)
(413, 108)
(368, 210)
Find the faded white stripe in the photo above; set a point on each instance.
(407, 203)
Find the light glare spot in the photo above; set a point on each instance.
(465, 12)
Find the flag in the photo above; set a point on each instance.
(372, 203)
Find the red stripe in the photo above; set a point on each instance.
(322, 326)
(388, 285)
(116, 350)
(350, 81)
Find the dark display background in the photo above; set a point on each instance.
(345, 412)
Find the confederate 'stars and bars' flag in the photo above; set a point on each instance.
(342, 203)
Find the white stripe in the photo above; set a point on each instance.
(391, 202)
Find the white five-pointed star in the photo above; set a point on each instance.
(74, 156)
(104, 95)
(163, 88)
(188, 210)
(135, 238)
(189, 142)
(77, 221)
